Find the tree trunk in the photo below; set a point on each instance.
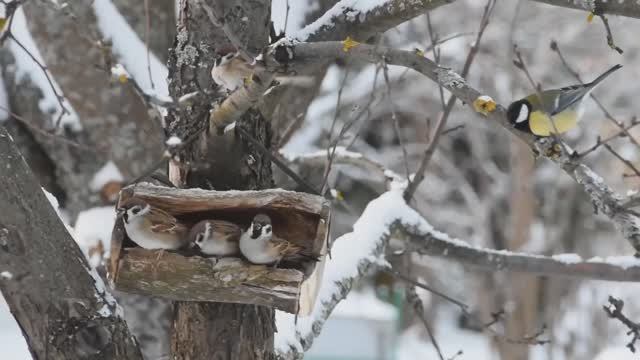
(214, 330)
(63, 312)
(523, 290)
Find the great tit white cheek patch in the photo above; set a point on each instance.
(523, 115)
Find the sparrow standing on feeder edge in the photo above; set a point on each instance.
(260, 246)
(151, 227)
(216, 237)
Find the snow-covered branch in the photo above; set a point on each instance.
(387, 217)
(606, 200)
(621, 8)
(362, 19)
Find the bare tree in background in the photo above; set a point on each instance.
(390, 127)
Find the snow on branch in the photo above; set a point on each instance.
(361, 19)
(388, 216)
(622, 8)
(131, 51)
(605, 199)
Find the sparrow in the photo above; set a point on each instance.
(260, 246)
(216, 237)
(151, 227)
(230, 71)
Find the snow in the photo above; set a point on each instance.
(363, 245)
(109, 172)
(297, 13)
(56, 206)
(413, 343)
(229, 127)
(349, 252)
(485, 98)
(365, 305)
(26, 67)
(617, 353)
(352, 9)
(624, 262)
(14, 346)
(118, 71)
(174, 141)
(4, 101)
(93, 226)
(567, 258)
(131, 51)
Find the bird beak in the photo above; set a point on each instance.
(120, 212)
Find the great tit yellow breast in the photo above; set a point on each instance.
(541, 125)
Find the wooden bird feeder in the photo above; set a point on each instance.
(300, 218)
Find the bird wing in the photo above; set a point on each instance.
(232, 230)
(565, 98)
(284, 247)
(163, 222)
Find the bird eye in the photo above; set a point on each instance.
(135, 210)
(267, 229)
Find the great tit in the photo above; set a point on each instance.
(529, 114)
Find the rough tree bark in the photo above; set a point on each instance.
(213, 330)
(62, 311)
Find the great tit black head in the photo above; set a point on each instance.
(518, 114)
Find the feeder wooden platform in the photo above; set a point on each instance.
(187, 276)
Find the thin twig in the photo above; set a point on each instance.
(59, 97)
(464, 307)
(394, 120)
(46, 133)
(147, 27)
(450, 37)
(279, 163)
(625, 161)
(414, 300)
(433, 141)
(331, 151)
(620, 134)
(614, 310)
(286, 17)
(452, 129)
(610, 41)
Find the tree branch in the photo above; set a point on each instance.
(604, 198)
(389, 217)
(347, 19)
(624, 8)
(61, 305)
